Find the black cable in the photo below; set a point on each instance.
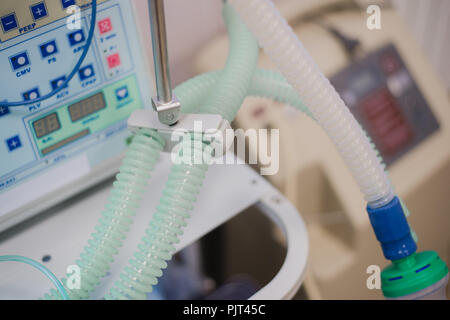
(350, 45)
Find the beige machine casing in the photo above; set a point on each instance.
(314, 177)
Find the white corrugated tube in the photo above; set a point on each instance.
(283, 47)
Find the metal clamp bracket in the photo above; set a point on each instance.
(214, 129)
(168, 113)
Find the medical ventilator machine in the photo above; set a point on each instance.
(64, 128)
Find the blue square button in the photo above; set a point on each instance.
(56, 83)
(122, 93)
(3, 111)
(86, 72)
(13, 143)
(38, 10)
(76, 37)
(67, 3)
(31, 94)
(9, 22)
(48, 48)
(19, 60)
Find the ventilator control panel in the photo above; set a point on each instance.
(68, 141)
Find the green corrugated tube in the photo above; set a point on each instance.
(193, 92)
(265, 83)
(219, 92)
(98, 255)
(183, 186)
(157, 245)
(185, 179)
(123, 202)
(232, 87)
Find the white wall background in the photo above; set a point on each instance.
(191, 23)
(429, 21)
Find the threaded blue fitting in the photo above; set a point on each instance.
(392, 230)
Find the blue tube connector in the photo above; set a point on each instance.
(392, 230)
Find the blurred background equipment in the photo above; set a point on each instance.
(429, 22)
(402, 103)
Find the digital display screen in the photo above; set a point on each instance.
(46, 125)
(87, 106)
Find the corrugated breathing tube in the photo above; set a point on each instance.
(283, 47)
(186, 178)
(123, 202)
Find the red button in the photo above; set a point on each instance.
(113, 60)
(104, 25)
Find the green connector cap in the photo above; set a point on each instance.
(412, 274)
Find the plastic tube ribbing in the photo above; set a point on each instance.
(232, 87)
(116, 219)
(283, 47)
(157, 245)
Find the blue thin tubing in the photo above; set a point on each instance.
(59, 286)
(72, 73)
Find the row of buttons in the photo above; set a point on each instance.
(84, 73)
(47, 49)
(14, 142)
(37, 10)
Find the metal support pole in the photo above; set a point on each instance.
(165, 103)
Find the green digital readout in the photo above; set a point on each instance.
(91, 114)
(87, 106)
(46, 125)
